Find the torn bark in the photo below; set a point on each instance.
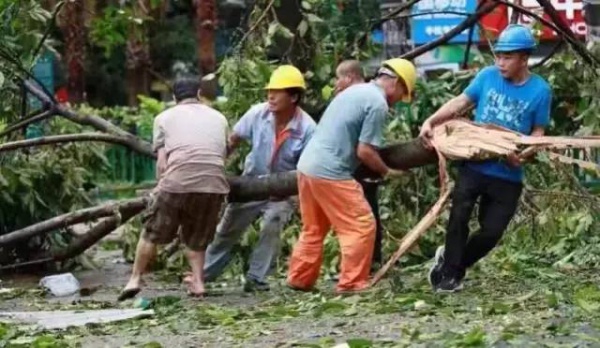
(419, 230)
(65, 220)
(413, 236)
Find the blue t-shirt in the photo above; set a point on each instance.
(355, 115)
(516, 107)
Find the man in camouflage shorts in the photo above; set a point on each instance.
(191, 143)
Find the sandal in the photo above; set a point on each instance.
(128, 293)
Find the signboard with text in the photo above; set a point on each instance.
(429, 23)
(570, 10)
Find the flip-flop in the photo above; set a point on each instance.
(127, 294)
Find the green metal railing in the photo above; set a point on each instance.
(128, 171)
(128, 166)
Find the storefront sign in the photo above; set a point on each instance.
(569, 10)
(428, 27)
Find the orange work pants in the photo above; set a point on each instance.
(341, 204)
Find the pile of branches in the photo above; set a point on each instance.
(406, 155)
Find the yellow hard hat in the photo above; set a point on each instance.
(405, 70)
(286, 76)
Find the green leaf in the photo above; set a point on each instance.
(302, 29)
(285, 32)
(272, 28)
(1, 79)
(359, 343)
(313, 18)
(306, 5)
(326, 92)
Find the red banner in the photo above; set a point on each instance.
(569, 10)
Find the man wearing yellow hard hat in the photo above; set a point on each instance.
(278, 131)
(349, 132)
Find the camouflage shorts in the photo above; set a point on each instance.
(197, 214)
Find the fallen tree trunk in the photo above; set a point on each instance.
(84, 242)
(411, 154)
(65, 220)
(94, 235)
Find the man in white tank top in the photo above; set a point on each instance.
(191, 144)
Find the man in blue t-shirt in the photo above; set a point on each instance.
(508, 95)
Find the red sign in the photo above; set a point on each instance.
(569, 10)
(492, 24)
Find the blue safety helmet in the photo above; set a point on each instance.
(515, 37)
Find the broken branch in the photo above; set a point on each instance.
(96, 122)
(561, 23)
(81, 244)
(26, 122)
(73, 218)
(96, 233)
(66, 138)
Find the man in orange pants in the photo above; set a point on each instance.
(349, 132)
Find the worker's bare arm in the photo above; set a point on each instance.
(450, 109)
(368, 155)
(161, 163)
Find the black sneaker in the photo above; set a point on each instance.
(252, 285)
(449, 284)
(435, 272)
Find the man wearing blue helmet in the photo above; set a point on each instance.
(509, 95)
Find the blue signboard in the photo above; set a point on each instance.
(428, 27)
(43, 71)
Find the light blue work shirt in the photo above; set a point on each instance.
(516, 107)
(258, 127)
(355, 115)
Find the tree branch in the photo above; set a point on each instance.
(27, 121)
(95, 234)
(96, 122)
(81, 244)
(6, 54)
(560, 22)
(65, 138)
(48, 28)
(65, 220)
(577, 46)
